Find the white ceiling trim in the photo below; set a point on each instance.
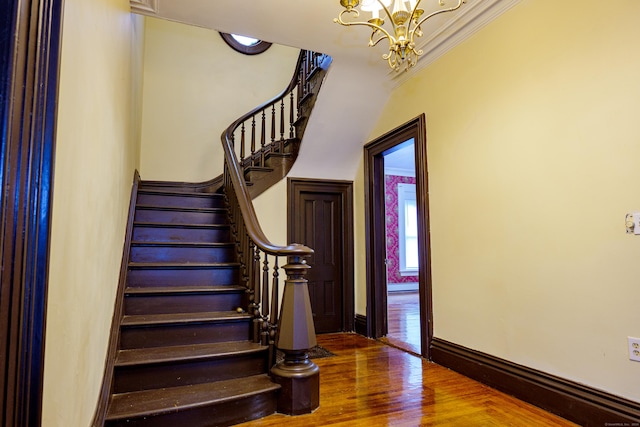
(465, 23)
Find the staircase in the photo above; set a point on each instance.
(194, 334)
(185, 356)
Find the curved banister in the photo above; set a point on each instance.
(248, 212)
(236, 175)
(228, 133)
(292, 332)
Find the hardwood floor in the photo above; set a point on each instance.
(372, 384)
(403, 319)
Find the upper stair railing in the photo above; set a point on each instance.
(245, 146)
(267, 128)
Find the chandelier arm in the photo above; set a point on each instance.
(340, 21)
(372, 43)
(386, 10)
(437, 12)
(391, 59)
(413, 12)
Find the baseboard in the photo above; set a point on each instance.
(105, 391)
(573, 401)
(361, 324)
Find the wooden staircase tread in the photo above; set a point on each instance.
(177, 192)
(158, 355)
(168, 243)
(178, 225)
(158, 401)
(181, 318)
(169, 290)
(258, 169)
(182, 265)
(276, 154)
(180, 208)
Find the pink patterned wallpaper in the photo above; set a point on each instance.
(391, 211)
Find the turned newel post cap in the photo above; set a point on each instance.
(296, 268)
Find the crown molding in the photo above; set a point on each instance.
(461, 27)
(144, 7)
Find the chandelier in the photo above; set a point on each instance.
(406, 21)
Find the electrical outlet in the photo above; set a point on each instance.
(634, 349)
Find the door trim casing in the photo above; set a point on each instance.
(295, 186)
(30, 52)
(375, 229)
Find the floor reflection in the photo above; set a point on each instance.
(370, 384)
(403, 319)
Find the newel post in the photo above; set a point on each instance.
(298, 376)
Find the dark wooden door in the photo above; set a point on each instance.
(320, 217)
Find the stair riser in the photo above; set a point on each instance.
(219, 415)
(193, 333)
(174, 254)
(134, 378)
(170, 234)
(192, 303)
(177, 200)
(187, 277)
(181, 217)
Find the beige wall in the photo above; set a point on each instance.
(194, 87)
(533, 148)
(96, 155)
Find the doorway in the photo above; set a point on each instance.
(320, 215)
(375, 223)
(401, 245)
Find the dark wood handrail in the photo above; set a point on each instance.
(235, 167)
(249, 214)
(227, 135)
(292, 331)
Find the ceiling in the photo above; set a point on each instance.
(308, 24)
(356, 68)
(401, 160)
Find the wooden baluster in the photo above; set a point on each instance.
(264, 338)
(255, 279)
(273, 320)
(253, 139)
(242, 152)
(291, 115)
(309, 69)
(252, 308)
(307, 83)
(300, 85)
(247, 257)
(263, 138)
(273, 123)
(282, 120)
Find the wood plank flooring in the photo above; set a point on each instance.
(372, 384)
(403, 320)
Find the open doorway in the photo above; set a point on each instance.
(401, 243)
(378, 296)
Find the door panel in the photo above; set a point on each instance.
(320, 216)
(322, 231)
